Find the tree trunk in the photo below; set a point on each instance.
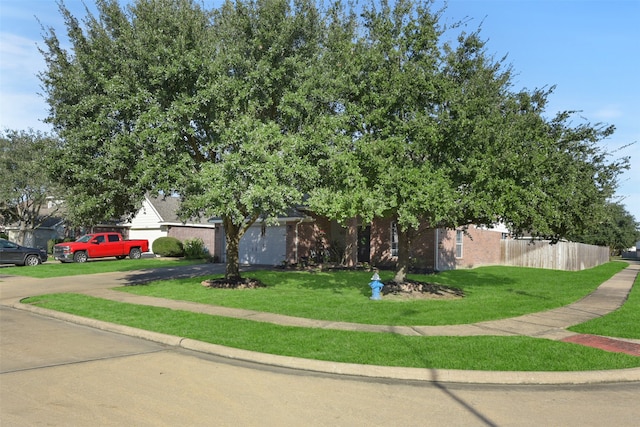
(232, 237)
(404, 245)
(350, 258)
(233, 234)
(21, 237)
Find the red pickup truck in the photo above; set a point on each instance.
(99, 245)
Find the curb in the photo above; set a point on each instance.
(351, 369)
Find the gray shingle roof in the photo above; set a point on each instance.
(167, 207)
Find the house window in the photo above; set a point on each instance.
(459, 237)
(394, 239)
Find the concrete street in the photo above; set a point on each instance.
(63, 374)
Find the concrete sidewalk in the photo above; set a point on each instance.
(550, 324)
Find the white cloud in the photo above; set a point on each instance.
(19, 55)
(608, 112)
(20, 111)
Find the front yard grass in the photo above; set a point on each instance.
(471, 353)
(490, 293)
(104, 265)
(343, 296)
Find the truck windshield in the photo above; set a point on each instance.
(84, 238)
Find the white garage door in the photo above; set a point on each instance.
(269, 248)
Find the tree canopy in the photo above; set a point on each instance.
(25, 188)
(433, 132)
(371, 112)
(166, 96)
(618, 230)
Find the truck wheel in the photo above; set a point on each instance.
(31, 260)
(135, 253)
(80, 257)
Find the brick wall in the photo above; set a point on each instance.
(208, 236)
(381, 243)
(484, 249)
(422, 246)
(305, 239)
(479, 247)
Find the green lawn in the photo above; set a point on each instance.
(490, 293)
(473, 353)
(104, 265)
(623, 323)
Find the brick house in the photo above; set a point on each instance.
(301, 236)
(432, 249)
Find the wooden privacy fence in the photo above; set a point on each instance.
(559, 256)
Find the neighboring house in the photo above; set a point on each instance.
(158, 218)
(55, 228)
(633, 252)
(51, 227)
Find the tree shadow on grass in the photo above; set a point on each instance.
(478, 277)
(334, 281)
(143, 277)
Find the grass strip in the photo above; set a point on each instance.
(622, 323)
(490, 293)
(105, 265)
(472, 353)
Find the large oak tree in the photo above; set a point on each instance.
(432, 131)
(373, 112)
(163, 95)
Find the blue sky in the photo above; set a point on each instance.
(588, 49)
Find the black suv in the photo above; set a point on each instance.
(12, 253)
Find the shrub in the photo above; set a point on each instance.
(51, 243)
(194, 249)
(4, 236)
(167, 246)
